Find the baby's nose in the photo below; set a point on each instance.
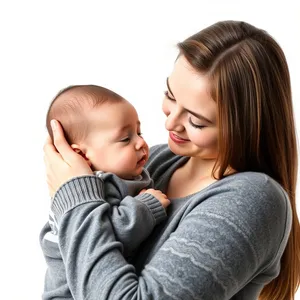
(140, 143)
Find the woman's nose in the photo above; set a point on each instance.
(173, 122)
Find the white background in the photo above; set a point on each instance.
(126, 46)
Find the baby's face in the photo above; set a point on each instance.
(115, 143)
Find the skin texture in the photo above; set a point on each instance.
(189, 92)
(115, 143)
(191, 115)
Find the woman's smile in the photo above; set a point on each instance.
(177, 139)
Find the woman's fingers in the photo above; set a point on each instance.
(49, 144)
(61, 144)
(50, 152)
(61, 162)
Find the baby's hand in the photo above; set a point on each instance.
(162, 198)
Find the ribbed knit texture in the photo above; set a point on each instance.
(155, 207)
(224, 242)
(133, 218)
(77, 191)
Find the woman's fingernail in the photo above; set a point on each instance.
(53, 124)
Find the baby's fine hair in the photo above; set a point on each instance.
(71, 107)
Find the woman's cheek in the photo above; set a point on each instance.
(204, 137)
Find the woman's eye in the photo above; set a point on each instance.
(168, 97)
(196, 125)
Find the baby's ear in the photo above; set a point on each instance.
(77, 149)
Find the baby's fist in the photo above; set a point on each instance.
(160, 196)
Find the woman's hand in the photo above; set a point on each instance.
(61, 162)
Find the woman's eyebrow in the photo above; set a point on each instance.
(198, 116)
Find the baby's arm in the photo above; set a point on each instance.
(134, 218)
(133, 212)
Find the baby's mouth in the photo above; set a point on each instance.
(142, 160)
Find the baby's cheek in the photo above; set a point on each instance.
(126, 160)
(100, 160)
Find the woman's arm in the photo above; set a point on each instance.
(219, 247)
(55, 286)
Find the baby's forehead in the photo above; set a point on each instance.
(115, 116)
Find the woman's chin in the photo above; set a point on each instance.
(177, 148)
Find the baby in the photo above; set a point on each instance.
(104, 128)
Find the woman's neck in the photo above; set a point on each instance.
(191, 178)
(199, 168)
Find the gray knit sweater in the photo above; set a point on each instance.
(224, 242)
(128, 213)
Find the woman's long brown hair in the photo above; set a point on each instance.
(251, 84)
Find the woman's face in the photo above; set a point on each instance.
(191, 113)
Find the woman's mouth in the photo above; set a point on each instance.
(177, 139)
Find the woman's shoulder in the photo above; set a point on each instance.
(255, 204)
(260, 185)
(254, 188)
(251, 179)
(243, 219)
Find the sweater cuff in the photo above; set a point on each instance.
(76, 191)
(155, 207)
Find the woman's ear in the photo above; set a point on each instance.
(77, 149)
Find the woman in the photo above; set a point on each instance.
(229, 170)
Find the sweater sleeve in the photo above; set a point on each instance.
(218, 247)
(55, 286)
(134, 218)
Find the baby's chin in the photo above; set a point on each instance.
(127, 176)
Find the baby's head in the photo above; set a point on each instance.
(101, 126)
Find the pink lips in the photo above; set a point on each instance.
(142, 161)
(175, 138)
